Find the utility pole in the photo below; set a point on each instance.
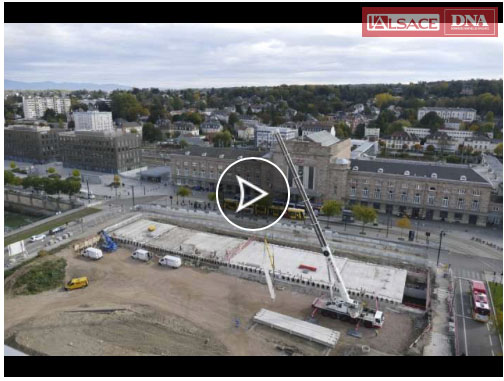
(133, 194)
(441, 235)
(388, 223)
(88, 194)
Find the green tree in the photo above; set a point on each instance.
(431, 120)
(212, 196)
(365, 214)
(233, 119)
(8, 177)
(403, 223)
(331, 208)
(222, 139)
(76, 173)
(183, 192)
(384, 99)
(125, 105)
(150, 133)
(498, 150)
(183, 143)
(51, 170)
(12, 165)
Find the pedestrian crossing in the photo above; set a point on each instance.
(476, 275)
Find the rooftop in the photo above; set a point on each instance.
(419, 169)
(223, 153)
(324, 138)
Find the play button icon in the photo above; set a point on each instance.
(241, 183)
(252, 194)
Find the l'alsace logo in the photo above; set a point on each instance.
(405, 22)
(428, 22)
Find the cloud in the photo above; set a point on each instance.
(219, 55)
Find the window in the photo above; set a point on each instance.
(434, 176)
(377, 193)
(404, 186)
(445, 202)
(475, 205)
(404, 197)
(352, 191)
(416, 199)
(461, 191)
(460, 203)
(391, 195)
(365, 193)
(418, 187)
(476, 192)
(406, 173)
(432, 189)
(431, 199)
(391, 184)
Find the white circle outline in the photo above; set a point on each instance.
(286, 204)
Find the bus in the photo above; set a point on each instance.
(479, 298)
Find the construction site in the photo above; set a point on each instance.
(294, 289)
(217, 303)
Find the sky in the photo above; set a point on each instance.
(224, 55)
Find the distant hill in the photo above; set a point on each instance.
(17, 85)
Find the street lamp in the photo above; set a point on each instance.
(441, 235)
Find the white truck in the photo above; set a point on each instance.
(141, 255)
(92, 253)
(170, 261)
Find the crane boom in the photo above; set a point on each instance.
(334, 273)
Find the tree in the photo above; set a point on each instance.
(498, 150)
(8, 177)
(76, 173)
(212, 196)
(51, 170)
(183, 143)
(233, 119)
(70, 186)
(12, 165)
(223, 139)
(430, 148)
(183, 192)
(151, 133)
(384, 99)
(331, 208)
(431, 120)
(364, 214)
(403, 223)
(125, 105)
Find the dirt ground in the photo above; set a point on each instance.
(136, 308)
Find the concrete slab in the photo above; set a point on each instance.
(380, 281)
(309, 331)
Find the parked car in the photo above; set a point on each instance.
(92, 253)
(76, 283)
(170, 261)
(38, 237)
(56, 230)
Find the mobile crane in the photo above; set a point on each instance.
(337, 306)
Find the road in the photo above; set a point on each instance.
(473, 338)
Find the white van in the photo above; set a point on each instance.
(170, 261)
(92, 253)
(39, 237)
(141, 255)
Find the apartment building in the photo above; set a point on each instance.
(34, 107)
(447, 113)
(93, 121)
(263, 135)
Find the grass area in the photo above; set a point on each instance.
(496, 290)
(41, 277)
(44, 228)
